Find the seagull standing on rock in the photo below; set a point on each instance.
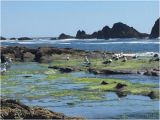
(67, 58)
(3, 69)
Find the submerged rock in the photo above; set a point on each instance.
(12, 109)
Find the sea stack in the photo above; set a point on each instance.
(155, 30)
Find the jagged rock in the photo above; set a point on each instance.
(120, 30)
(81, 34)
(155, 33)
(106, 31)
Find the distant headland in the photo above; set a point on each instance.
(119, 30)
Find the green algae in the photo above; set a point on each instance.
(97, 63)
(131, 88)
(80, 94)
(3, 77)
(57, 76)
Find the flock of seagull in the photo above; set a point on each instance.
(104, 56)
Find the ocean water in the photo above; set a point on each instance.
(131, 45)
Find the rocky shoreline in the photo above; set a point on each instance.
(12, 109)
(48, 54)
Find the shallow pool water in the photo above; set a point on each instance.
(29, 83)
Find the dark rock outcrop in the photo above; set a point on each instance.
(24, 38)
(120, 30)
(155, 33)
(82, 35)
(64, 36)
(31, 54)
(12, 109)
(12, 38)
(2, 38)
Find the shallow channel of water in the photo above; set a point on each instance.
(28, 82)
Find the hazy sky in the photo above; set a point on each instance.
(52, 18)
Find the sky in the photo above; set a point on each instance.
(51, 18)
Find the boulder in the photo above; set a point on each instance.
(155, 33)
